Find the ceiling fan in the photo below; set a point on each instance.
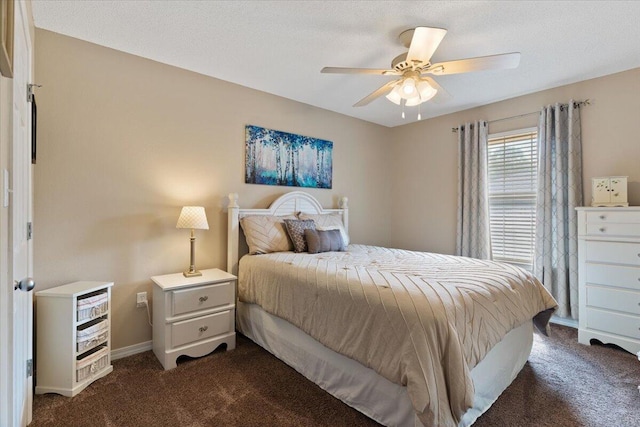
(414, 85)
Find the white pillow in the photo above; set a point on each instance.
(331, 221)
(266, 233)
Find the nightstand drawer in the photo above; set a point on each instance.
(613, 299)
(201, 328)
(613, 275)
(613, 252)
(615, 323)
(202, 298)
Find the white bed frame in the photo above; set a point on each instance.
(351, 382)
(288, 204)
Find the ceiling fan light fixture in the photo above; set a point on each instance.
(423, 93)
(408, 87)
(426, 91)
(394, 96)
(412, 102)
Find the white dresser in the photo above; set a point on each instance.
(73, 336)
(609, 276)
(192, 316)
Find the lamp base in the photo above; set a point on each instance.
(193, 273)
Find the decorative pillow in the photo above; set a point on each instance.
(296, 229)
(266, 233)
(328, 222)
(323, 241)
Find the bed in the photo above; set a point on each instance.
(407, 338)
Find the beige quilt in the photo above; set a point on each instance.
(419, 319)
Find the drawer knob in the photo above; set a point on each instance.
(602, 217)
(602, 229)
(203, 328)
(204, 298)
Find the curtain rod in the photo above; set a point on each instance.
(577, 104)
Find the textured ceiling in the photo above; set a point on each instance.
(279, 47)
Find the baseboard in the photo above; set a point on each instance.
(121, 352)
(564, 321)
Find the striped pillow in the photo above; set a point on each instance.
(266, 233)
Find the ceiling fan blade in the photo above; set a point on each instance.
(492, 62)
(424, 42)
(378, 93)
(442, 94)
(346, 70)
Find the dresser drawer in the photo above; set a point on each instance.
(621, 216)
(613, 252)
(613, 299)
(615, 323)
(201, 328)
(202, 298)
(613, 275)
(613, 229)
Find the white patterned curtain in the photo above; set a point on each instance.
(473, 235)
(559, 192)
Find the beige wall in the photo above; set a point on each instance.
(124, 142)
(424, 173)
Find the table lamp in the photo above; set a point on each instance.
(193, 217)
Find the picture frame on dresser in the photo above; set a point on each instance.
(609, 276)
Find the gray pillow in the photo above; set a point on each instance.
(328, 222)
(296, 229)
(323, 241)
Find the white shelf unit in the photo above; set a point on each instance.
(609, 276)
(73, 329)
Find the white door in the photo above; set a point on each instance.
(20, 216)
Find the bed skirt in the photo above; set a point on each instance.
(361, 387)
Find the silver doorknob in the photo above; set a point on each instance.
(25, 284)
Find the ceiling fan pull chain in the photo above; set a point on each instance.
(419, 111)
(402, 101)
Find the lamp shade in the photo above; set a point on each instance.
(394, 96)
(193, 217)
(425, 92)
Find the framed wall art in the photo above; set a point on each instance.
(274, 157)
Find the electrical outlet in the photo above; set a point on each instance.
(141, 299)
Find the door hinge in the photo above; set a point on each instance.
(30, 87)
(29, 368)
(29, 231)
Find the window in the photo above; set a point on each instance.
(513, 160)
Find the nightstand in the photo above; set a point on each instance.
(192, 316)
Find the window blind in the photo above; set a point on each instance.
(512, 168)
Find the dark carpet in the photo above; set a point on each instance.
(563, 384)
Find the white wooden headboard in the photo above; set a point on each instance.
(287, 204)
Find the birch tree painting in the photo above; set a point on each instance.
(280, 158)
